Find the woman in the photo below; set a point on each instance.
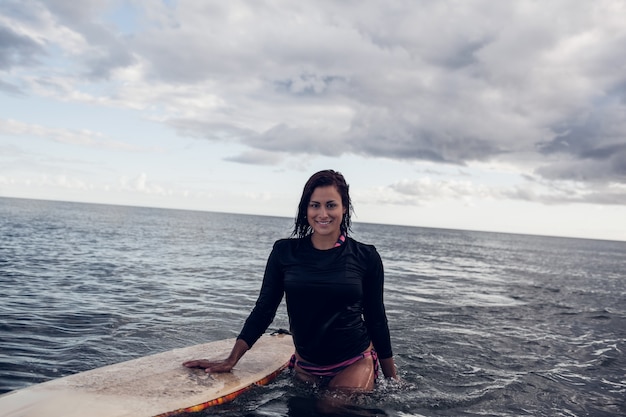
(334, 293)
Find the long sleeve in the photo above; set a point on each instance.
(334, 300)
(374, 308)
(269, 299)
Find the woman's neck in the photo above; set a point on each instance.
(324, 242)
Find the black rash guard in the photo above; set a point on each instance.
(334, 300)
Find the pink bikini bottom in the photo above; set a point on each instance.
(334, 369)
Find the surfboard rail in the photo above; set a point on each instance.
(225, 398)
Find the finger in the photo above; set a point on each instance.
(214, 369)
(193, 364)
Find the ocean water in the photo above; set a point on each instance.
(482, 324)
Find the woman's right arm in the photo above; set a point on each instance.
(257, 322)
(240, 348)
(270, 296)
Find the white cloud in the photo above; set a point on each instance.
(531, 86)
(82, 137)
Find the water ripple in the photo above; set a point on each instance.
(481, 323)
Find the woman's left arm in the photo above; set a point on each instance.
(388, 366)
(375, 316)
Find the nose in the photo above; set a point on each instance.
(323, 212)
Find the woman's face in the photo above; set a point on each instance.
(325, 211)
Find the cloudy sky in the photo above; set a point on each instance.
(468, 114)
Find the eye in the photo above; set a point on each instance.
(314, 205)
(331, 205)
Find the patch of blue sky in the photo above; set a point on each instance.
(97, 91)
(124, 16)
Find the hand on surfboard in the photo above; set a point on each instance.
(240, 348)
(210, 366)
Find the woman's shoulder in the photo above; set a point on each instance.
(365, 248)
(289, 243)
(361, 244)
(366, 255)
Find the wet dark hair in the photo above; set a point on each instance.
(323, 179)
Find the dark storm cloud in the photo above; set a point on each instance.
(307, 141)
(108, 50)
(101, 63)
(398, 138)
(256, 158)
(537, 85)
(17, 50)
(104, 49)
(592, 148)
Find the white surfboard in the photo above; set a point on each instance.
(156, 385)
